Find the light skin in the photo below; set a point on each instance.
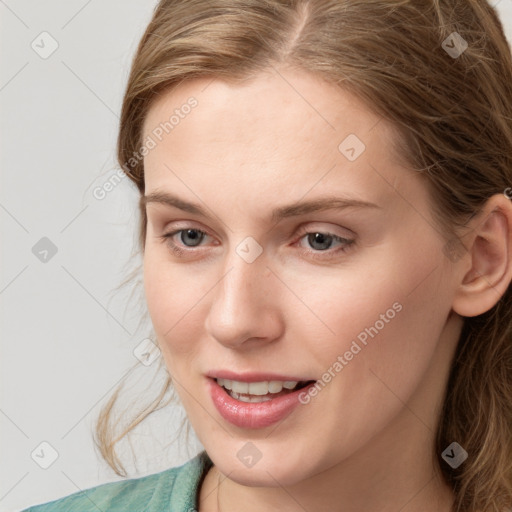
(365, 441)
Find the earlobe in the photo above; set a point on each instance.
(489, 249)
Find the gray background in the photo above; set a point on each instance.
(67, 336)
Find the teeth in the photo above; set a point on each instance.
(256, 388)
(274, 386)
(251, 399)
(240, 387)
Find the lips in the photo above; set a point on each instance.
(254, 405)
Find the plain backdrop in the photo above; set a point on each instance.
(67, 338)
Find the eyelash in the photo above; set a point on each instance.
(321, 255)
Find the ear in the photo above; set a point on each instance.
(489, 258)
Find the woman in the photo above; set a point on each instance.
(327, 245)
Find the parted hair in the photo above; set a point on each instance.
(453, 118)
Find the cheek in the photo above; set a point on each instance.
(387, 332)
(386, 314)
(175, 305)
(387, 326)
(372, 299)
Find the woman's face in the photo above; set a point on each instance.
(303, 252)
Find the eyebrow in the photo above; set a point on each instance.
(291, 210)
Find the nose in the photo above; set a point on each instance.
(244, 308)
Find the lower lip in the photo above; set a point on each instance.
(253, 415)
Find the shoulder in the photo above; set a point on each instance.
(174, 489)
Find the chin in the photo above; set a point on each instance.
(270, 475)
(272, 470)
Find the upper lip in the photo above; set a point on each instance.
(254, 376)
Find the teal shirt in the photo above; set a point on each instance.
(173, 490)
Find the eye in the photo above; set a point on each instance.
(322, 242)
(189, 237)
(193, 235)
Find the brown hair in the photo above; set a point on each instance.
(453, 119)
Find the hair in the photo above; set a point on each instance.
(453, 122)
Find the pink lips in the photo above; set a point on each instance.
(253, 415)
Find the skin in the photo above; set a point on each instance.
(365, 442)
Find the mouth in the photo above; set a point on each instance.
(262, 391)
(265, 400)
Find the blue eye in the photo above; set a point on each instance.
(320, 242)
(322, 239)
(194, 234)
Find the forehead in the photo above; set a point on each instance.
(291, 103)
(285, 129)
